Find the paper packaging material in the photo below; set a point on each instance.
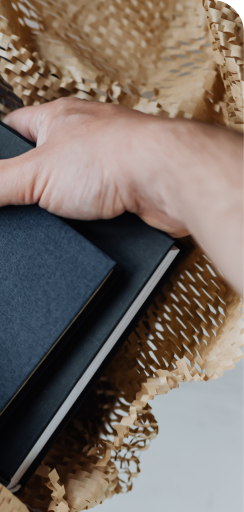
(172, 59)
(10, 503)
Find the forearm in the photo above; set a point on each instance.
(206, 192)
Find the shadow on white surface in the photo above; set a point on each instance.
(196, 462)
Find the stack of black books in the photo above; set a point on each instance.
(70, 294)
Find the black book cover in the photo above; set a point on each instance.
(50, 278)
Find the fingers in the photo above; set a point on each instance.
(26, 121)
(21, 179)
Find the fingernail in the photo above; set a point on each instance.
(5, 120)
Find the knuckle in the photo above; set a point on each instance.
(64, 101)
(53, 110)
(67, 104)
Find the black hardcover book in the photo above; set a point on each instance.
(50, 279)
(147, 257)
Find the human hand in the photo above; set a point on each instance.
(96, 161)
(91, 161)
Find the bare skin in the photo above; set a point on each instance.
(96, 161)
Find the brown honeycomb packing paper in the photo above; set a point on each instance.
(172, 59)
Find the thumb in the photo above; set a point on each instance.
(21, 179)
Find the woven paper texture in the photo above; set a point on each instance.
(172, 59)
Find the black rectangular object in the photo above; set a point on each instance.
(50, 278)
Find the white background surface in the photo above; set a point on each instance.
(196, 462)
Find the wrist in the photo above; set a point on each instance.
(193, 171)
(162, 167)
(153, 184)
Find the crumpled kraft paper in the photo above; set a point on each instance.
(9, 503)
(172, 59)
